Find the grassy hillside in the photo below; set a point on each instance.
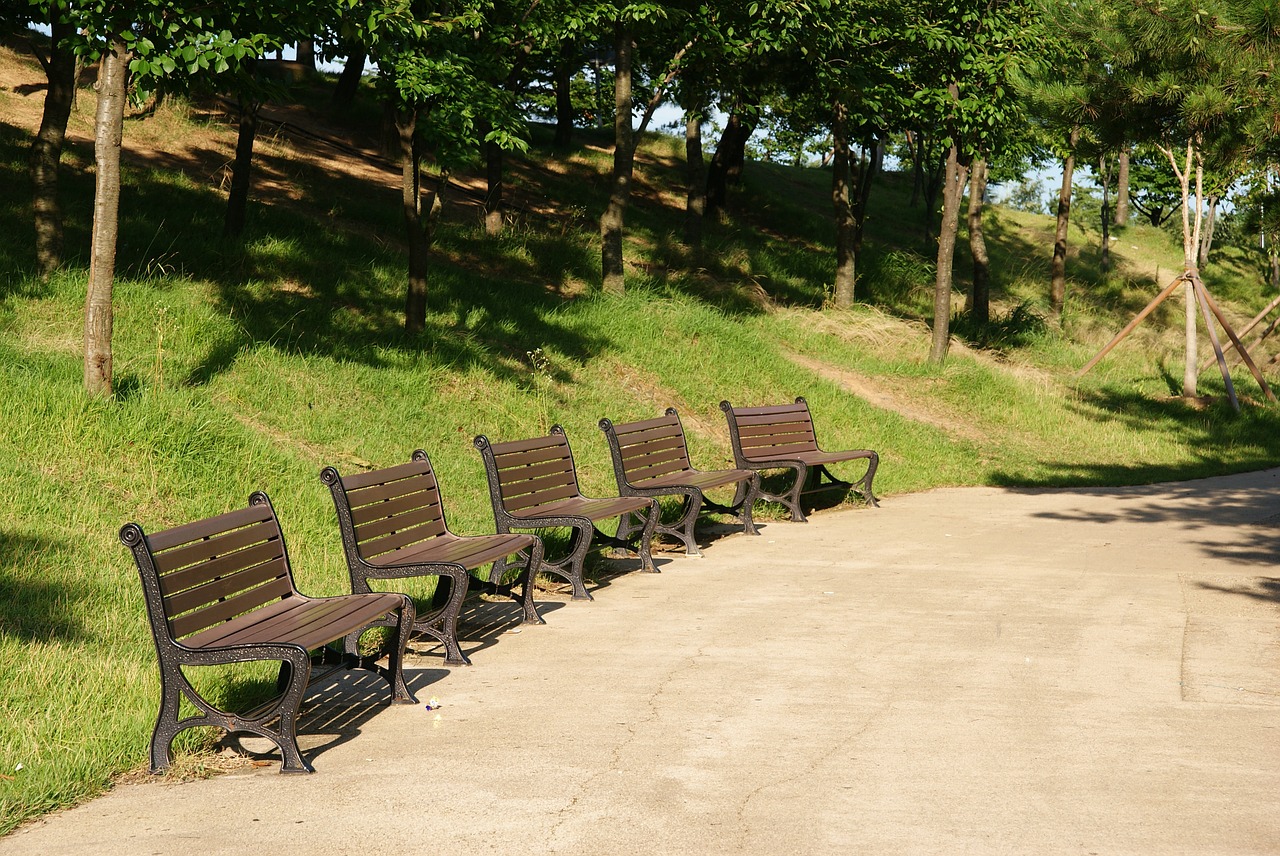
(251, 364)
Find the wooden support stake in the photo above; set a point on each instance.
(1244, 355)
(1150, 307)
(1249, 327)
(1197, 287)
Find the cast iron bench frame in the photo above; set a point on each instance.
(533, 484)
(393, 526)
(651, 458)
(782, 437)
(220, 591)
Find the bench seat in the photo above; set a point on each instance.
(533, 484)
(220, 591)
(651, 458)
(781, 436)
(393, 526)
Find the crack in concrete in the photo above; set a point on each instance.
(566, 812)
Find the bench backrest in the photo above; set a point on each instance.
(772, 432)
(526, 474)
(385, 510)
(198, 575)
(647, 449)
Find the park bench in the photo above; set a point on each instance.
(393, 526)
(221, 591)
(651, 458)
(533, 484)
(782, 437)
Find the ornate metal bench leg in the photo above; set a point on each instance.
(746, 497)
(448, 619)
(644, 548)
(579, 546)
(682, 529)
(792, 497)
(286, 735)
(530, 572)
(167, 728)
(400, 692)
(863, 485)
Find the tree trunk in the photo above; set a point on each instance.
(108, 134)
(868, 169)
(915, 145)
(306, 54)
(349, 80)
(493, 196)
(242, 169)
(611, 222)
(1122, 189)
(696, 176)
(46, 149)
(728, 161)
(1058, 276)
(956, 177)
(933, 178)
(1206, 238)
(980, 290)
(1104, 257)
(841, 177)
(415, 302)
(563, 83)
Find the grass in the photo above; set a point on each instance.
(251, 364)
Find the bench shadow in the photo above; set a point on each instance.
(335, 710)
(486, 618)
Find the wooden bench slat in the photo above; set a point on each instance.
(428, 522)
(588, 507)
(358, 481)
(522, 460)
(521, 504)
(774, 427)
(525, 472)
(625, 429)
(167, 538)
(674, 445)
(666, 428)
(387, 490)
(471, 551)
(701, 479)
(307, 622)
(656, 469)
(792, 452)
(770, 410)
(218, 613)
(226, 565)
(512, 490)
(245, 585)
(194, 552)
(399, 505)
(505, 450)
(405, 536)
(779, 439)
(644, 467)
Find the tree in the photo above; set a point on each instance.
(1195, 79)
(61, 67)
(148, 40)
(962, 59)
(442, 105)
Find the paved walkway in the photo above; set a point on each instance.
(959, 671)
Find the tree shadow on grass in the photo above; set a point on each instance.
(1221, 441)
(34, 610)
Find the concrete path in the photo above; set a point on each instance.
(959, 671)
